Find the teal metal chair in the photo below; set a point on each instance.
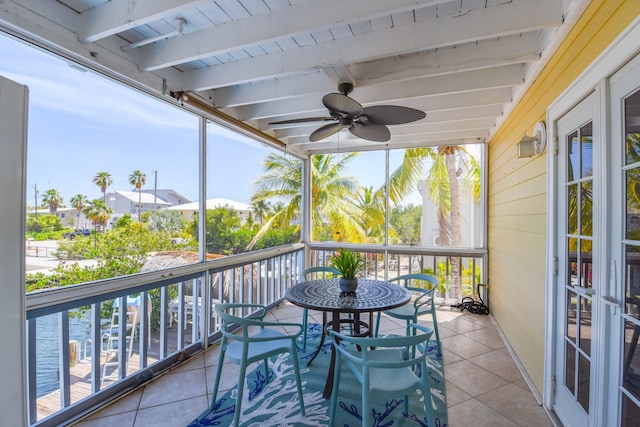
(244, 349)
(421, 303)
(397, 367)
(321, 272)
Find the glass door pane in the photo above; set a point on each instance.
(630, 387)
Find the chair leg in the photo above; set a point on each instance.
(428, 409)
(366, 410)
(241, 377)
(377, 324)
(435, 331)
(305, 316)
(437, 335)
(265, 364)
(296, 367)
(218, 373)
(335, 390)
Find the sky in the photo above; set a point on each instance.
(81, 123)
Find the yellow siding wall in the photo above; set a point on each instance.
(517, 188)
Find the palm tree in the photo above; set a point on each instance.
(98, 212)
(372, 203)
(442, 183)
(79, 201)
(137, 179)
(53, 199)
(260, 209)
(103, 180)
(333, 196)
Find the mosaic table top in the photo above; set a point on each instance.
(325, 295)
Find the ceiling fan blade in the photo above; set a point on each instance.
(371, 132)
(342, 104)
(324, 131)
(303, 120)
(392, 114)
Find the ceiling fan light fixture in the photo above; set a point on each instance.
(368, 123)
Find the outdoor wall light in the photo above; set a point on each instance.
(533, 145)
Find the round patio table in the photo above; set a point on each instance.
(325, 295)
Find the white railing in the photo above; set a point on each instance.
(78, 359)
(458, 271)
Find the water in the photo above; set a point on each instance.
(48, 349)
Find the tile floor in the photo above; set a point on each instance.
(484, 385)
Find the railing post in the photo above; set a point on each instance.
(65, 386)
(195, 309)
(31, 370)
(144, 334)
(96, 346)
(164, 305)
(206, 309)
(122, 337)
(181, 316)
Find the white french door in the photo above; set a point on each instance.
(577, 283)
(597, 293)
(624, 296)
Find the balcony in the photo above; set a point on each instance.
(155, 371)
(484, 385)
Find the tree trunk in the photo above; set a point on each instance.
(454, 220)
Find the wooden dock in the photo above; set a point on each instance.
(80, 379)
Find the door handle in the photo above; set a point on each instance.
(611, 302)
(607, 300)
(583, 291)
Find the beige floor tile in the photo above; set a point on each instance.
(487, 336)
(516, 404)
(174, 387)
(478, 319)
(228, 379)
(455, 394)
(123, 419)
(211, 355)
(450, 357)
(177, 413)
(500, 363)
(288, 313)
(445, 332)
(472, 378)
(445, 313)
(461, 325)
(465, 347)
(127, 403)
(195, 362)
(474, 413)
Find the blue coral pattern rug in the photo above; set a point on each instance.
(275, 403)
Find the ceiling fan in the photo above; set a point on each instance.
(368, 123)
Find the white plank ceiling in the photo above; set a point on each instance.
(463, 62)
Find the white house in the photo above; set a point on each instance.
(187, 210)
(171, 196)
(126, 202)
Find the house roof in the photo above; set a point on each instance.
(464, 62)
(145, 198)
(167, 191)
(212, 204)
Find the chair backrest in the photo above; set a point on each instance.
(319, 272)
(366, 345)
(407, 278)
(228, 320)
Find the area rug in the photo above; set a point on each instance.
(275, 403)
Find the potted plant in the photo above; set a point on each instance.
(349, 264)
